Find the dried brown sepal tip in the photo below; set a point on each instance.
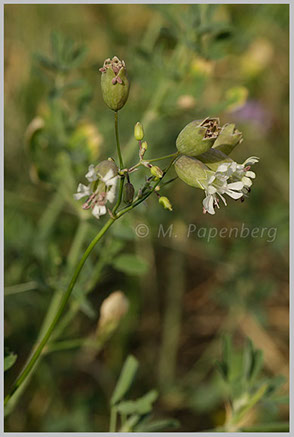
(114, 83)
(116, 66)
(198, 136)
(212, 127)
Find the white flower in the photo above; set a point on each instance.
(231, 179)
(240, 172)
(217, 185)
(101, 189)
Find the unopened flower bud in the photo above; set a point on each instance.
(156, 171)
(114, 83)
(143, 149)
(129, 192)
(192, 171)
(228, 139)
(113, 309)
(198, 136)
(139, 131)
(213, 158)
(144, 145)
(164, 201)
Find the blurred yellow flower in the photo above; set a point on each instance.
(202, 67)
(257, 57)
(236, 97)
(88, 133)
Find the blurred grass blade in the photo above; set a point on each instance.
(158, 425)
(125, 380)
(267, 427)
(20, 288)
(140, 406)
(256, 365)
(248, 360)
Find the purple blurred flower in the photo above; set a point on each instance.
(255, 112)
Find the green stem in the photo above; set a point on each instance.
(144, 161)
(113, 418)
(75, 305)
(25, 373)
(164, 157)
(137, 202)
(121, 163)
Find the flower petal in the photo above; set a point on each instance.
(92, 175)
(235, 186)
(99, 210)
(234, 194)
(211, 189)
(246, 181)
(107, 178)
(110, 196)
(223, 167)
(251, 160)
(208, 204)
(82, 191)
(250, 174)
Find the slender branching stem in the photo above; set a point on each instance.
(29, 366)
(164, 157)
(65, 298)
(113, 419)
(120, 158)
(121, 164)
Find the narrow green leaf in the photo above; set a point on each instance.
(257, 364)
(9, 360)
(254, 399)
(125, 380)
(140, 406)
(248, 360)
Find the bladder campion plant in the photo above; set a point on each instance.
(201, 161)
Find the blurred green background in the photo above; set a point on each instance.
(185, 62)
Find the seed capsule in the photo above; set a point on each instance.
(129, 192)
(192, 171)
(213, 158)
(114, 83)
(228, 139)
(198, 136)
